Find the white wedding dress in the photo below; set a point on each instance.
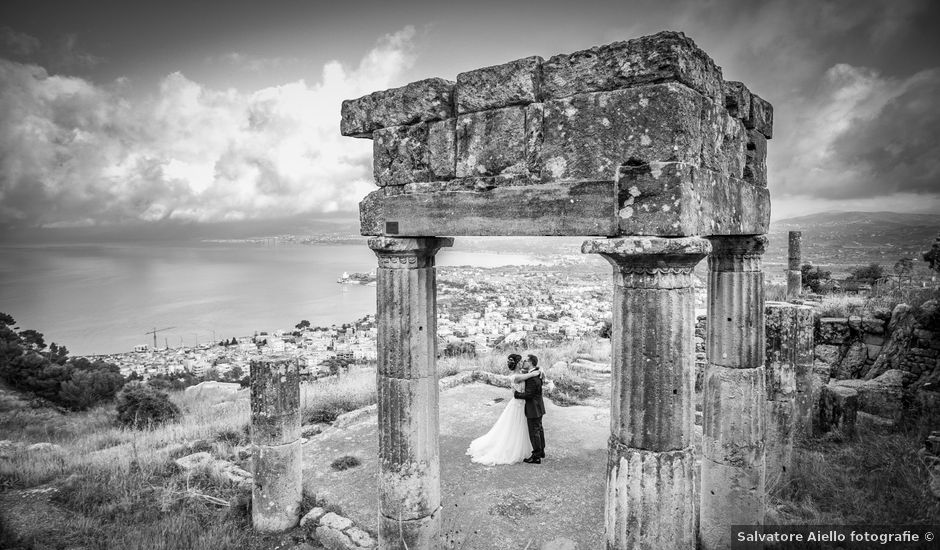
(507, 442)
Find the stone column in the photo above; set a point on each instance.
(789, 331)
(651, 477)
(275, 440)
(406, 313)
(732, 491)
(794, 275)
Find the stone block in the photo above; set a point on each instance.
(513, 83)
(590, 135)
(312, 517)
(534, 120)
(737, 100)
(832, 330)
(424, 100)
(335, 521)
(491, 143)
(333, 539)
(676, 199)
(360, 538)
(442, 149)
(873, 339)
(828, 353)
(665, 56)
(762, 117)
(724, 141)
(400, 155)
(873, 351)
(838, 409)
(852, 362)
(755, 164)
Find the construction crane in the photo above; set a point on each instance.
(154, 332)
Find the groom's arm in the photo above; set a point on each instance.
(531, 388)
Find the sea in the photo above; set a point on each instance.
(106, 298)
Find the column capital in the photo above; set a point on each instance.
(737, 253)
(650, 262)
(408, 252)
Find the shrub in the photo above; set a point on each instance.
(140, 405)
(89, 387)
(345, 463)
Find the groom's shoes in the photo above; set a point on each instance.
(532, 460)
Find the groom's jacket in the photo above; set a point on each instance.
(534, 406)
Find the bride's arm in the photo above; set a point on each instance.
(526, 376)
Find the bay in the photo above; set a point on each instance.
(104, 298)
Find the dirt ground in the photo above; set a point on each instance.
(516, 506)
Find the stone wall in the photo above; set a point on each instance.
(867, 347)
(642, 137)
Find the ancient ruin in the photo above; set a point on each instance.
(794, 261)
(643, 146)
(276, 445)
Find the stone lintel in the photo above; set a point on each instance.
(514, 83)
(665, 199)
(424, 100)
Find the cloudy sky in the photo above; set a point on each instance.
(114, 113)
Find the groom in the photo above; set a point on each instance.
(534, 410)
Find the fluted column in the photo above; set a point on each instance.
(794, 261)
(734, 395)
(650, 466)
(406, 313)
(275, 439)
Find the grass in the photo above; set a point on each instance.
(877, 477)
(879, 303)
(330, 397)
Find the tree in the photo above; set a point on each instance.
(932, 256)
(87, 388)
(302, 324)
(455, 349)
(868, 274)
(904, 268)
(236, 373)
(814, 278)
(605, 330)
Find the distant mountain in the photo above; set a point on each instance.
(855, 238)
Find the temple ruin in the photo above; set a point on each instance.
(644, 148)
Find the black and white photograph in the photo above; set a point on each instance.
(490, 275)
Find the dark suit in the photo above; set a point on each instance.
(534, 411)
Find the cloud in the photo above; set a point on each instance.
(18, 43)
(76, 153)
(250, 62)
(863, 135)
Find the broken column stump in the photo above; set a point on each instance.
(651, 472)
(794, 261)
(789, 363)
(732, 490)
(838, 409)
(275, 440)
(407, 387)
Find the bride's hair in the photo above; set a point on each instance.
(513, 362)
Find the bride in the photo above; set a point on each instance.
(507, 441)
